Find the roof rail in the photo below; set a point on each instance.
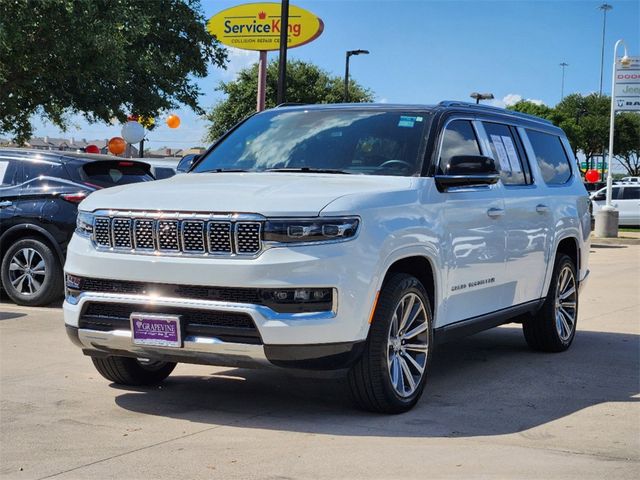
(289, 104)
(456, 103)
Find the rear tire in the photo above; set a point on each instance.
(553, 327)
(31, 273)
(131, 371)
(391, 374)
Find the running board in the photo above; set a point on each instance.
(477, 324)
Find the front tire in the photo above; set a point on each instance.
(553, 327)
(131, 371)
(31, 273)
(390, 375)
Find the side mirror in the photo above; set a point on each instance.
(185, 163)
(600, 196)
(468, 170)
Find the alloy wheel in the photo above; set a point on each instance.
(27, 271)
(566, 298)
(408, 344)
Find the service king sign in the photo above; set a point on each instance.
(627, 85)
(257, 26)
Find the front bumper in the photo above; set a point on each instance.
(213, 351)
(326, 336)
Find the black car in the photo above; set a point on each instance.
(39, 196)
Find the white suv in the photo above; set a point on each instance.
(336, 237)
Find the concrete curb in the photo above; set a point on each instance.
(598, 241)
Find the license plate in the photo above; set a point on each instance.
(155, 329)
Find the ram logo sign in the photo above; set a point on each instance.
(257, 26)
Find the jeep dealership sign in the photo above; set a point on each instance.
(256, 26)
(627, 85)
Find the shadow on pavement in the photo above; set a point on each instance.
(488, 384)
(11, 315)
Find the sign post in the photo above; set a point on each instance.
(259, 26)
(625, 96)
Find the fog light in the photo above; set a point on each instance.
(298, 299)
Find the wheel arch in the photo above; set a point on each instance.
(29, 230)
(420, 266)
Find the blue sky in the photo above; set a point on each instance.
(426, 51)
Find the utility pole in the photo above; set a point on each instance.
(605, 7)
(346, 70)
(282, 65)
(563, 65)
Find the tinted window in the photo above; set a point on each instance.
(356, 141)
(9, 170)
(35, 169)
(507, 154)
(551, 157)
(110, 174)
(459, 138)
(631, 193)
(602, 193)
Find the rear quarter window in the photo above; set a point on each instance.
(551, 157)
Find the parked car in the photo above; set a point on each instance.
(625, 198)
(351, 237)
(631, 180)
(39, 197)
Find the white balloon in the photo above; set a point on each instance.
(132, 132)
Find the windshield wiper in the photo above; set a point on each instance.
(224, 170)
(309, 170)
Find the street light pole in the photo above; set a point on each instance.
(563, 65)
(607, 218)
(282, 65)
(605, 7)
(346, 70)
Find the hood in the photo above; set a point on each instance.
(267, 193)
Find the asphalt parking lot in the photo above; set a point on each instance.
(492, 408)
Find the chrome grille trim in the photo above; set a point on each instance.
(179, 234)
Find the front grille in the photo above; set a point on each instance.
(168, 235)
(227, 326)
(186, 236)
(248, 237)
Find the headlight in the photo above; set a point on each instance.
(84, 224)
(302, 230)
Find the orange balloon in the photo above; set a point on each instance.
(117, 145)
(173, 121)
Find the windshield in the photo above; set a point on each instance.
(341, 141)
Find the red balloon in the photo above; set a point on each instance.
(592, 176)
(91, 149)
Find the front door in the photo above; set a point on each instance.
(474, 247)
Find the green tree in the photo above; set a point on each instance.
(537, 109)
(100, 58)
(306, 83)
(626, 142)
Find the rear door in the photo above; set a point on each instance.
(473, 226)
(528, 221)
(10, 184)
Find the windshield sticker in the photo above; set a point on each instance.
(502, 153)
(418, 119)
(407, 122)
(511, 153)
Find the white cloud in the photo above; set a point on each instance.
(238, 60)
(511, 99)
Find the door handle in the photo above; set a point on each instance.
(495, 212)
(542, 208)
(5, 203)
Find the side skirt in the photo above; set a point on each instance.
(477, 324)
